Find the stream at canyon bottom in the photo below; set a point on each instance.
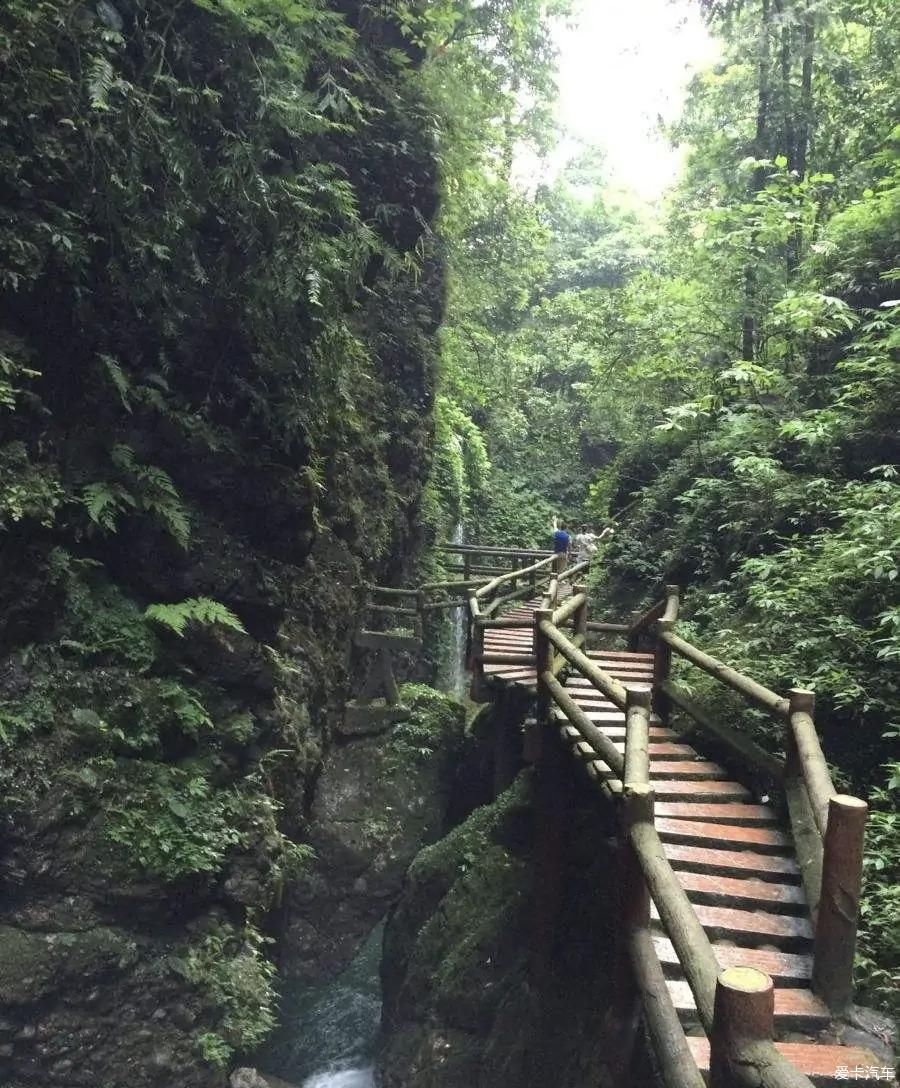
(329, 1032)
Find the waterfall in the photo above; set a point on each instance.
(457, 681)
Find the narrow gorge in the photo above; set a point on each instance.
(322, 322)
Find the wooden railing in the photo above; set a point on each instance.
(735, 1006)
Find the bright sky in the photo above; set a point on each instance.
(622, 65)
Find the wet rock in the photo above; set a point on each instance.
(378, 800)
(247, 1078)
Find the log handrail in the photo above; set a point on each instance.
(742, 746)
(664, 611)
(491, 549)
(751, 690)
(601, 680)
(566, 611)
(502, 579)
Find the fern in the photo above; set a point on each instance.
(104, 502)
(156, 493)
(119, 379)
(100, 80)
(201, 610)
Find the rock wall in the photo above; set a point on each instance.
(216, 380)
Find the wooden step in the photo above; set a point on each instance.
(751, 926)
(617, 731)
(765, 839)
(704, 859)
(795, 1009)
(710, 790)
(729, 891)
(823, 1064)
(615, 655)
(724, 813)
(786, 968)
(665, 750)
(697, 768)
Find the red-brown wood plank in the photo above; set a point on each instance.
(785, 968)
(669, 751)
(707, 860)
(729, 923)
(794, 1007)
(707, 888)
(616, 730)
(697, 768)
(610, 655)
(823, 1064)
(725, 813)
(706, 790)
(765, 839)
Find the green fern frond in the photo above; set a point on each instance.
(119, 379)
(104, 502)
(101, 77)
(202, 610)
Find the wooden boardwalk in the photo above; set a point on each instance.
(732, 857)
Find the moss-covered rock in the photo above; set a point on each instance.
(377, 802)
(464, 1004)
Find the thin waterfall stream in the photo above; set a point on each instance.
(455, 682)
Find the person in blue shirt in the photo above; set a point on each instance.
(561, 542)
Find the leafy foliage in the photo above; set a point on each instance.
(202, 610)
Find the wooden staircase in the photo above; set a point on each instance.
(732, 856)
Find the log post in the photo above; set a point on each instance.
(637, 735)
(662, 657)
(744, 1013)
(543, 660)
(476, 692)
(392, 694)
(634, 639)
(835, 937)
(580, 618)
(633, 897)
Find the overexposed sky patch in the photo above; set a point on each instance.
(623, 65)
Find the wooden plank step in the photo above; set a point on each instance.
(823, 1064)
(698, 768)
(704, 859)
(729, 923)
(765, 839)
(666, 750)
(725, 813)
(628, 655)
(616, 731)
(732, 891)
(704, 791)
(581, 683)
(786, 968)
(795, 1008)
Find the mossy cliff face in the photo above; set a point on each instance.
(216, 377)
(464, 1003)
